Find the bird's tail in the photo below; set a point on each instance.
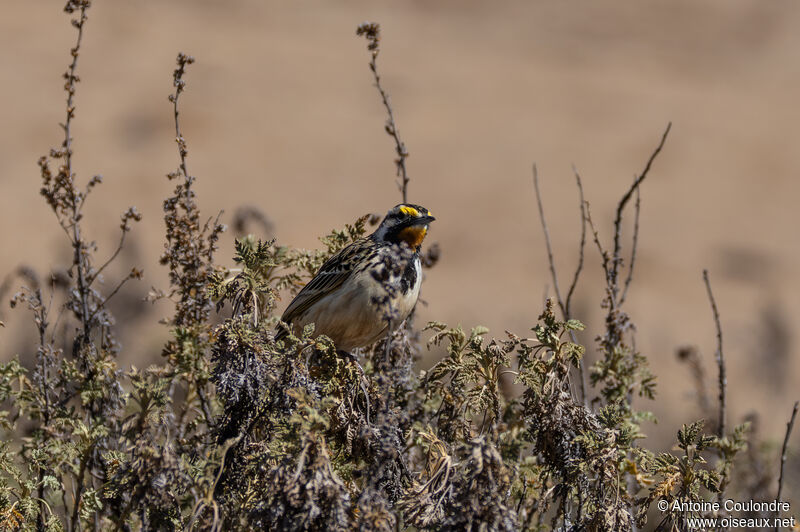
(281, 331)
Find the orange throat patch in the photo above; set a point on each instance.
(413, 236)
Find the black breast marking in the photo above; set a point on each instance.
(409, 277)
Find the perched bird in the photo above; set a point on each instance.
(342, 300)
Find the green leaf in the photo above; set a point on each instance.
(574, 325)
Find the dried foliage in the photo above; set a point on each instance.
(234, 430)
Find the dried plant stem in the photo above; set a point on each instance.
(616, 258)
(190, 244)
(76, 203)
(691, 357)
(42, 366)
(634, 246)
(564, 304)
(789, 427)
(582, 246)
(723, 382)
(372, 32)
(111, 259)
(71, 223)
(603, 253)
(79, 487)
(205, 405)
(183, 62)
(547, 244)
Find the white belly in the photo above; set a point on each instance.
(351, 317)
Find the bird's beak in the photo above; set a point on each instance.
(418, 221)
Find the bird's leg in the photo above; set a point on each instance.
(362, 379)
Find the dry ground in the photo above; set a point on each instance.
(280, 114)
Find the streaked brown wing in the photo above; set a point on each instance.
(330, 277)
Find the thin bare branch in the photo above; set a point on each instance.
(183, 61)
(634, 186)
(135, 274)
(372, 32)
(80, 260)
(205, 405)
(634, 246)
(621, 206)
(690, 356)
(546, 232)
(723, 381)
(789, 427)
(562, 303)
(113, 256)
(596, 236)
(582, 244)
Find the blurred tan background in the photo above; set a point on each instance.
(280, 114)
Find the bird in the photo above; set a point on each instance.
(342, 300)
